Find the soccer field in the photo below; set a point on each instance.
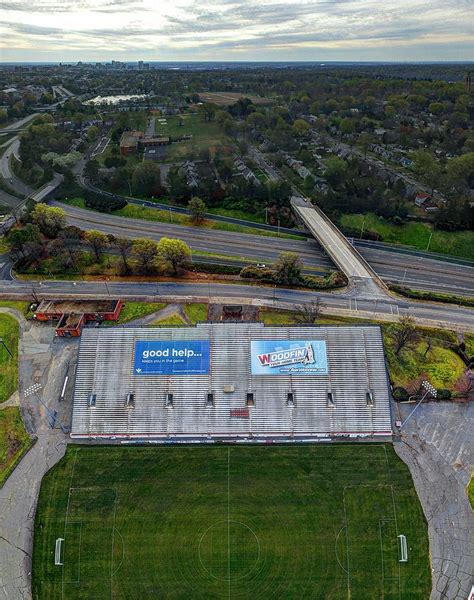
(234, 522)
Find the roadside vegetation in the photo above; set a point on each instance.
(432, 296)
(9, 333)
(14, 441)
(414, 234)
(135, 310)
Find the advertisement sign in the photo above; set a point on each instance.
(289, 357)
(190, 357)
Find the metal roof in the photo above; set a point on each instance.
(356, 365)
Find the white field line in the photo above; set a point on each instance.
(228, 515)
(65, 521)
(112, 549)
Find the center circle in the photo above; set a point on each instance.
(229, 550)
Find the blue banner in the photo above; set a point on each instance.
(172, 357)
(289, 357)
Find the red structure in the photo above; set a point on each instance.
(73, 315)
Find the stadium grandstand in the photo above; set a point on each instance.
(241, 381)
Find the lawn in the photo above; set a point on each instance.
(135, 310)
(16, 305)
(14, 441)
(196, 312)
(471, 492)
(169, 321)
(238, 522)
(456, 243)
(9, 331)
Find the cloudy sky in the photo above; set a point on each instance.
(321, 30)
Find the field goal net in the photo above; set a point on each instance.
(57, 552)
(403, 555)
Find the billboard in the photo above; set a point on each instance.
(289, 357)
(166, 357)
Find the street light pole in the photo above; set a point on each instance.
(429, 390)
(429, 241)
(362, 229)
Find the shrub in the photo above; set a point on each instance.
(400, 394)
(267, 275)
(215, 268)
(444, 394)
(103, 203)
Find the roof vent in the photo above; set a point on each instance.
(369, 398)
(290, 399)
(169, 400)
(228, 389)
(92, 400)
(130, 401)
(250, 401)
(210, 399)
(331, 400)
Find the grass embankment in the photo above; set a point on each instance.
(441, 365)
(194, 313)
(417, 235)
(4, 246)
(135, 310)
(14, 441)
(133, 211)
(9, 332)
(246, 521)
(470, 488)
(18, 305)
(432, 296)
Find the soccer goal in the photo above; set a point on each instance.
(403, 548)
(57, 552)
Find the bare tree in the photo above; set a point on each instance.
(124, 246)
(308, 312)
(405, 334)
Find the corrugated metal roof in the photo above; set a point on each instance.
(356, 365)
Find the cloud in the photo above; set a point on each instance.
(236, 26)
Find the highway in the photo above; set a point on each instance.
(415, 271)
(435, 315)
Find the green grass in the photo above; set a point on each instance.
(470, 489)
(9, 332)
(4, 246)
(135, 310)
(16, 305)
(456, 243)
(14, 441)
(230, 522)
(196, 312)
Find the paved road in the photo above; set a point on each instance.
(437, 447)
(415, 271)
(18, 124)
(434, 315)
(11, 179)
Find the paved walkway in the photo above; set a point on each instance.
(43, 360)
(437, 446)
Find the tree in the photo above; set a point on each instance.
(175, 252)
(71, 237)
(301, 127)
(18, 239)
(50, 220)
(146, 179)
(124, 246)
(288, 268)
(207, 111)
(404, 334)
(347, 126)
(97, 241)
(91, 170)
(145, 252)
(308, 312)
(92, 133)
(197, 209)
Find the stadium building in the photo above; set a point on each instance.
(241, 381)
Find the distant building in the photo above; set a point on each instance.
(153, 142)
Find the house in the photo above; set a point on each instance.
(421, 198)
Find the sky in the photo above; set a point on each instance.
(236, 30)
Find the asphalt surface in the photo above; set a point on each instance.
(10, 178)
(349, 303)
(437, 446)
(414, 271)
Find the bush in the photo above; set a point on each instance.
(400, 394)
(215, 268)
(103, 203)
(267, 275)
(444, 394)
(432, 296)
(331, 281)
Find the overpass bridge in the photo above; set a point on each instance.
(349, 260)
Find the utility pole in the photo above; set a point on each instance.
(362, 229)
(429, 241)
